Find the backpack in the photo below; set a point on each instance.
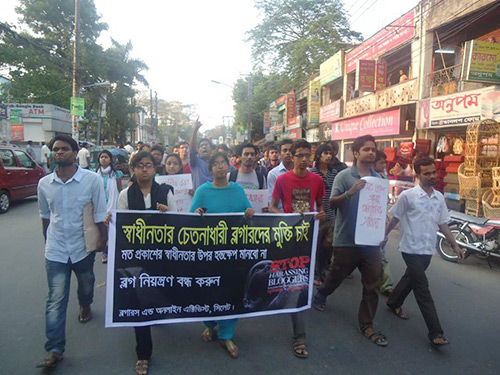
(233, 176)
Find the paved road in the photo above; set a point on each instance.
(467, 297)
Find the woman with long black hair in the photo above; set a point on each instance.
(112, 180)
(221, 196)
(145, 194)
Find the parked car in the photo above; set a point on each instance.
(19, 176)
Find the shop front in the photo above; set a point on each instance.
(443, 121)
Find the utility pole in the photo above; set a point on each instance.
(156, 128)
(76, 51)
(151, 108)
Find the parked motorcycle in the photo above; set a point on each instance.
(473, 234)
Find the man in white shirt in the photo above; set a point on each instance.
(45, 157)
(84, 157)
(247, 176)
(420, 210)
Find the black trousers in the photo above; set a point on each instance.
(416, 280)
(144, 343)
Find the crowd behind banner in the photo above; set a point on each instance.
(158, 266)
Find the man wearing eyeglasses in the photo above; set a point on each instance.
(299, 190)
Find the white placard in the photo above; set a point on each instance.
(372, 211)
(258, 198)
(181, 183)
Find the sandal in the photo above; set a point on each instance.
(319, 303)
(378, 338)
(231, 348)
(52, 360)
(104, 258)
(142, 367)
(439, 340)
(208, 334)
(85, 314)
(398, 311)
(300, 349)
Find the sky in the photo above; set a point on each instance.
(189, 43)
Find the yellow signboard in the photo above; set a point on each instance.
(313, 101)
(332, 68)
(484, 62)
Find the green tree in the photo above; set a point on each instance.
(296, 36)
(40, 61)
(265, 89)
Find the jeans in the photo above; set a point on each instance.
(58, 278)
(416, 280)
(345, 261)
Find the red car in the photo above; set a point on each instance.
(19, 176)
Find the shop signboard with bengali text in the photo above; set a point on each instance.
(281, 103)
(291, 118)
(16, 125)
(332, 68)
(400, 31)
(459, 109)
(295, 134)
(267, 122)
(381, 75)
(77, 106)
(330, 112)
(313, 102)
(365, 75)
(483, 62)
(377, 124)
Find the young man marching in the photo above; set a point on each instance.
(298, 191)
(420, 210)
(347, 255)
(62, 197)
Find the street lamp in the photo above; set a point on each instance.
(249, 100)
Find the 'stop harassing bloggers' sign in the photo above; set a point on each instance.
(372, 211)
(175, 267)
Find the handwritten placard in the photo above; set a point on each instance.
(181, 183)
(372, 210)
(258, 198)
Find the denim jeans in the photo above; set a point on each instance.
(58, 278)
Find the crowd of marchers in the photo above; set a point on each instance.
(299, 177)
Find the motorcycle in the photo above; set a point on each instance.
(473, 234)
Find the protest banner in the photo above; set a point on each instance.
(372, 211)
(183, 267)
(181, 183)
(258, 198)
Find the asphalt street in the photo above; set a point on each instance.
(467, 297)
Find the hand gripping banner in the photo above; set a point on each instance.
(179, 267)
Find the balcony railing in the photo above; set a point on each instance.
(399, 94)
(445, 81)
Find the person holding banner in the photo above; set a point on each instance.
(298, 191)
(347, 254)
(145, 194)
(221, 196)
(420, 210)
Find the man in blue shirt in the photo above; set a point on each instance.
(199, 157)
(62, 196)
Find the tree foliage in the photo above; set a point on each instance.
(296, 36)
(265, 89)
(39, 61)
